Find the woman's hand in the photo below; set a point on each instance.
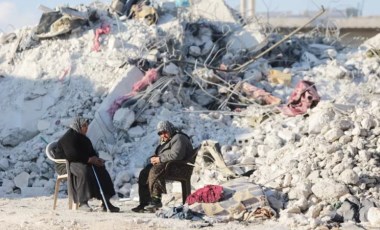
(96, 161)
(155, 160)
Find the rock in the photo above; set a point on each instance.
(14, 137)
(125, 190)
(171, 70)
(21, 180)
(348, 176)
(43, 125)
(328, 189)
(319, 119)
(195, 51)
(136, 131)
(124, 118)
(4, 164)
(374, 216)
(314, 211)
(333, 134)
(348, 211)
(122, 178)
(365, 206)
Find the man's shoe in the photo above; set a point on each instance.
(154, 205)
(140, 208)
(84, 207)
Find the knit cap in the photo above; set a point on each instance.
(165, 126)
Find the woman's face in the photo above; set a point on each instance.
(84, 128)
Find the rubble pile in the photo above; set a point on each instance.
(318, 168)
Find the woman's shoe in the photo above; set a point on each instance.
(84, 207)
(111, 208)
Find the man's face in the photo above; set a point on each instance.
(164, 136)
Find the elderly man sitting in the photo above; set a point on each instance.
(174, 145)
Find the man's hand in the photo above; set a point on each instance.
(155, 160)
(96, 161)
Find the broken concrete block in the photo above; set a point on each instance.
(14, 137)
(101, 127)
(244, 139)
(310, 59)
(195, 51)
(374, 216)
(136, 131)
(4, 164)
(329, 189)
(124, 118)
(21, 180)
(245, 38)
(333, 134)
(43, 125)
(171, 70)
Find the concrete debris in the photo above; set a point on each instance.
(219, 81)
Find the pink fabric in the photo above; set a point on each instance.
(149, 77)
(207, 194)
(303, 97)
(257, 93)
(104, 29)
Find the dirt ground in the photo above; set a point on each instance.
(37, 213)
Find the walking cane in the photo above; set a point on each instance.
(100, 188)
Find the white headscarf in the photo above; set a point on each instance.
(78, 123)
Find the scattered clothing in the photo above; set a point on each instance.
(207, 194)
(149, 77)
(104, 29)
(303, 97)
(261, 95)
(242, 201)
(181, 212)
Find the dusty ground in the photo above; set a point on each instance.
(37, 213)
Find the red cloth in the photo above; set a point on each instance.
(304, 96)
(207, 194)
(150, 76)
(104, 29)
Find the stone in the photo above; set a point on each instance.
(14, 137)
(348, 176)
(123, 118)
(349, 211)
(328, 189)
(43, 125)
(136, 131)
(314, 211)
(4, 164)
(365, 206)
(319, 119)
(195, 51)
(22, 180)
(171, 69)
(374, 216)
(333, 134)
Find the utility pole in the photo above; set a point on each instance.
(250, 11)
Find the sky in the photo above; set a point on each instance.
(17, 13)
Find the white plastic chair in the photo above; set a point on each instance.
(60, 178)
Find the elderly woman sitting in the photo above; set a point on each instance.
(77, 148)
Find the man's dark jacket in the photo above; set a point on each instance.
(179, 147)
